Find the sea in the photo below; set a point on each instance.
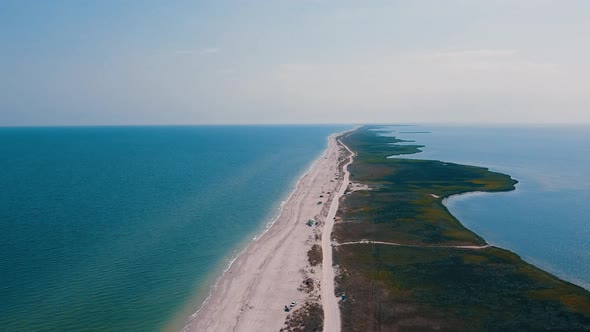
(127, 228)
(546, 220)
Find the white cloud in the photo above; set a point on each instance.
(202, 51)
(210, 50)
(473, 54)
(498, 60)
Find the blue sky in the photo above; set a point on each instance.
(305, 61)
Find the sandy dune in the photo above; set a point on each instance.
(253, 292)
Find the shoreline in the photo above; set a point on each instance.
(179, 321)
(514, 172)
(259, 263)
(537, 262)
(528, 258)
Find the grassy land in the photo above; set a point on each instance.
(428, 288)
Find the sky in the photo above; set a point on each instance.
(74, 62)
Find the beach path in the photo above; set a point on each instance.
(329, 299)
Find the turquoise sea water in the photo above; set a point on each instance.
(119, 228)
(547, 219)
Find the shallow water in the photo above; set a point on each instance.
(118, 228)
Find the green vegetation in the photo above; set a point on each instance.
(314, 255)
(308, 318)
(426, 287)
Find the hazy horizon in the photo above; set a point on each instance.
(310, 124)
(153, 62)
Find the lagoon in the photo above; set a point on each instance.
(547, 219)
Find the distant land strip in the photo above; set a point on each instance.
(409, 245)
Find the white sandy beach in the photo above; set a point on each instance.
(253, 292)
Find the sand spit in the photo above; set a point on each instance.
(268, 275)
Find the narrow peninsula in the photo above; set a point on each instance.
(404, 263)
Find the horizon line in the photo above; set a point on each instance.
(278, 124)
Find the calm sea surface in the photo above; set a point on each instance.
(547, 219)
(120, 228)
